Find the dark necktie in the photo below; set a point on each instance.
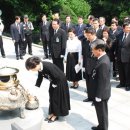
(44, 23)
(124, 38)
(54, 32)
(67, 25)
(18, 27)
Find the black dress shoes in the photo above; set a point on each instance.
(74, 87)
(44, 57)
(87, 100)
(51, 120)
(47, 119)
(95, 128)
(30, 54)
(17, 58)
(71, 86)
(3, 56)
(120, 86)
(127, 88)
(21, 57)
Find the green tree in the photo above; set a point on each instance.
(110, 8)
(74, 8)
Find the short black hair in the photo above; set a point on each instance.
(32, 62)
(113, 22)
(56, 20)
(126, 24)
(90, 30)
(17, 17)
(72, 30)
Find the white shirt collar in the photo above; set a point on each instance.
(101, 55)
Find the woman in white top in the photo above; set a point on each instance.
(72, 58)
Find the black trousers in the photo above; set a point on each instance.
(28, 42)
(88, 85)
(102, 114)
(18, 48)
(115, 68)
(46, 47)
(1, 46)
(124, 73)
(58, 62)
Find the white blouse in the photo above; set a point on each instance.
(73, 45)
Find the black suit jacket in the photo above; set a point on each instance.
(123, 48)
(15, 33)
(79, 30)
(101, 79)
(99, 33)
(89, 59)
(44, 31)
(58, 43)
(64, 27)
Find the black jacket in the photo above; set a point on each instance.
(58, 43)
(101, 79)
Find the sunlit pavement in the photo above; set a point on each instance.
(82, 115)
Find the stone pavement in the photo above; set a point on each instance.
(82, 115)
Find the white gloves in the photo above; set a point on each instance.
(98, 99)
(54, 86)
(61, 56)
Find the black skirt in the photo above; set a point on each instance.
(59, 98)
(72, 60)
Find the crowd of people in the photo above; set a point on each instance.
(98, 51)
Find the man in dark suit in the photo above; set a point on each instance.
(67, 25)
(114, 32)
(27, 27)
(58, 44)
(102, 22)
(51, 30)
(89, 61)
(123, 56)
(96, 27)
(90, 21)
(18, 37)
(79, 28)
(101, 84)
(44, 35)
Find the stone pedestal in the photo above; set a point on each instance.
(10, 120)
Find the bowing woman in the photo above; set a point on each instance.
(58, 90)
(72, 58)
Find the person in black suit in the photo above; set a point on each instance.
(58, 90)
(90, 21)
(114, 32)
(101, 85)
(51, 30)
(67, 25)
(27, 27)
(123, 56)
(44, 35)
(89, 61)
(18, 37)
(102, 22)
(58, 44)
(96, 27)
(79, 28)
